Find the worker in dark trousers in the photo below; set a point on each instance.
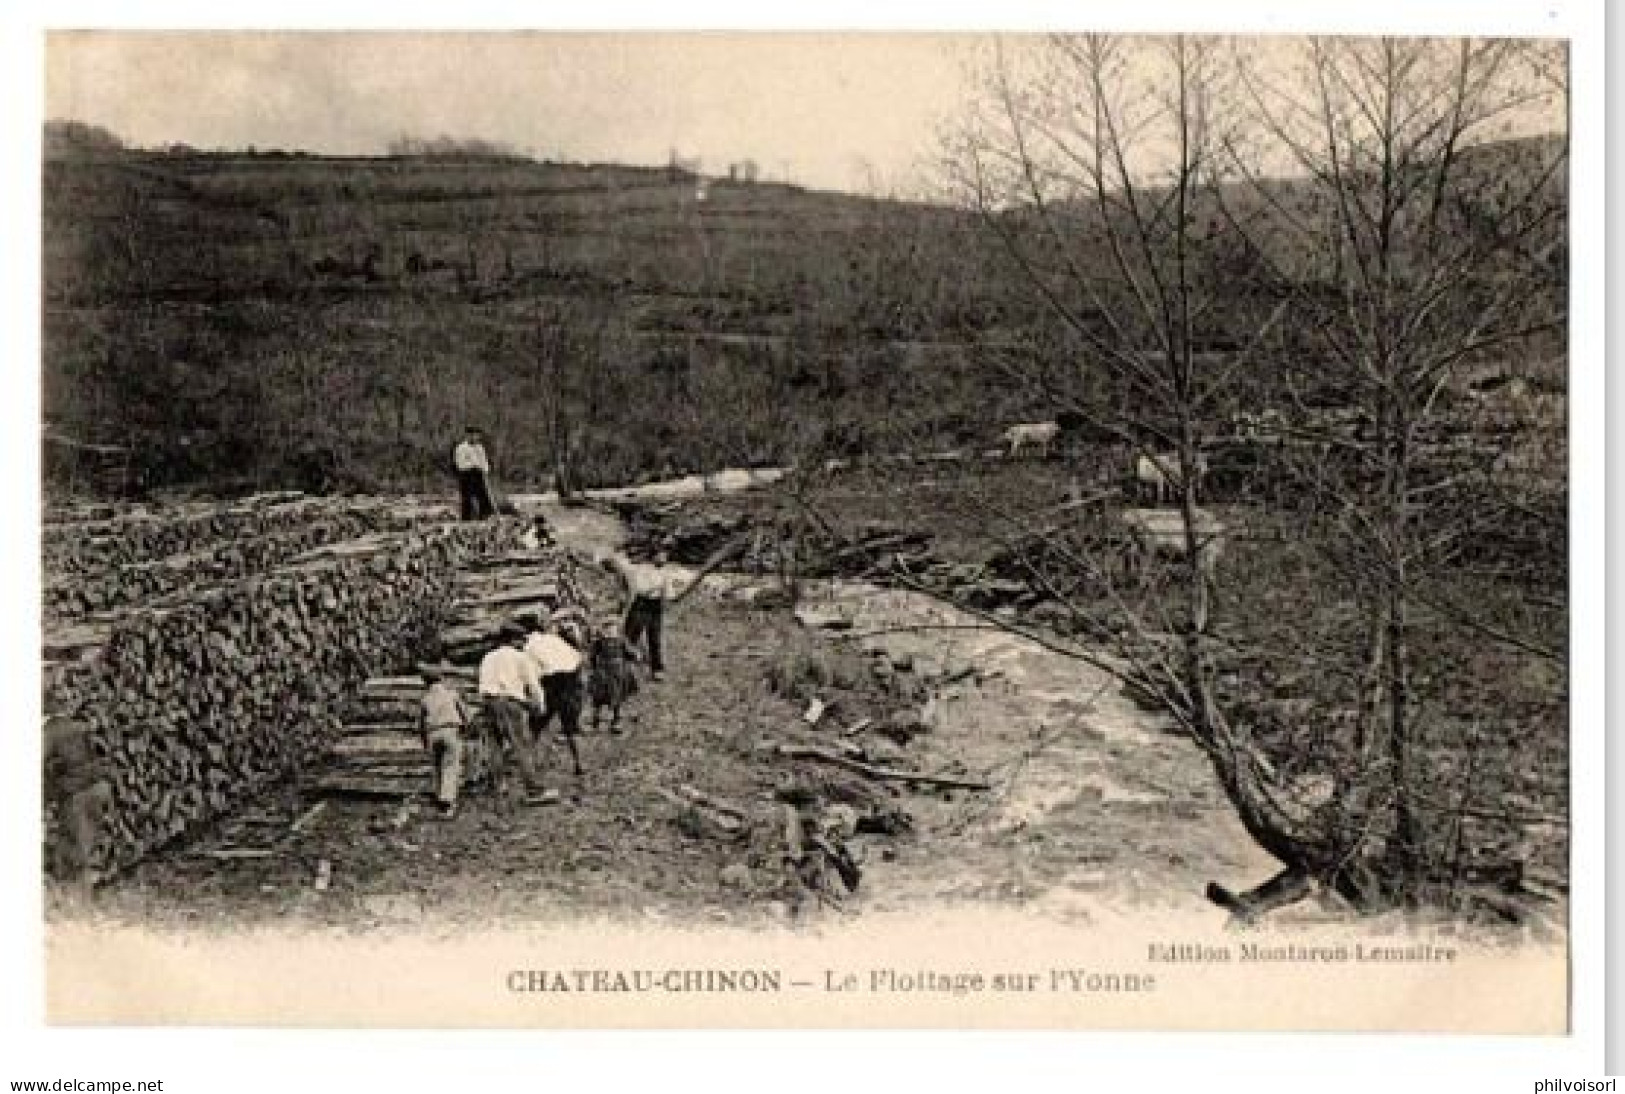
(473, 476)
(559, 663)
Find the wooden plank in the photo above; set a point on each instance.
(393, 683)
(523, 594)
(362, 724)
(354, 786)
(388, 743)
(386, 765)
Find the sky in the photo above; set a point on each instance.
(842, 111)
(851, 111)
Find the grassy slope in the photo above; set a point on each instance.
(230, 301)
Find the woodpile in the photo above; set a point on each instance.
(197, 702)
(116, 586)
(148, 533)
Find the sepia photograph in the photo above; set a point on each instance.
(772, 529)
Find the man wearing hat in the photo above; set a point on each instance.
(442, 718)
(509, 683)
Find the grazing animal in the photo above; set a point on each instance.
(1158, 473)
(1158, 534)
(1039, 435)
(610, 679)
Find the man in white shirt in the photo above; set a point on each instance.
(647, 588)
(509, 682)
(473, 476)
(559, 664)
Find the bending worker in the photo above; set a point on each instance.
(509, 683)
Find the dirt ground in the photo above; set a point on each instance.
(1095, 806)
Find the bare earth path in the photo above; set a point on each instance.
(1097, 803)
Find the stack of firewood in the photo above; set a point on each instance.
(142, 535)
(83, 593)
(197, 703)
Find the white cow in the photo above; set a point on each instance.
(1159, 472)
(1159, 534)
(1039, 435)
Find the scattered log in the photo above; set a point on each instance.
(824, 755)
(728, 822)
(403, 814)
(307, 818)
(720, 805)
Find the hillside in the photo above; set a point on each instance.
(266, 314)
(237, 322)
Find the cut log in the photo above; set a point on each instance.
(725, 821)
(307, 818)
(720, 805)
(824, 755)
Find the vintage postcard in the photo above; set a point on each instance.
(1057, 530)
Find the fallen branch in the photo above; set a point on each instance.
(308, 818)
(699, 797)
(723, 819)
(824, 755)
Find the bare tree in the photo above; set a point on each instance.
(1109, 168)
(1424, 247)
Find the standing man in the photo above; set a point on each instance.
(473, 475)
(442, 717)
(509, 683)
(647, 589)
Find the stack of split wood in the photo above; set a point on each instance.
(75, 546)
(83, 593)
(197, 703)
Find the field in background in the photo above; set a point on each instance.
(238, 322)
